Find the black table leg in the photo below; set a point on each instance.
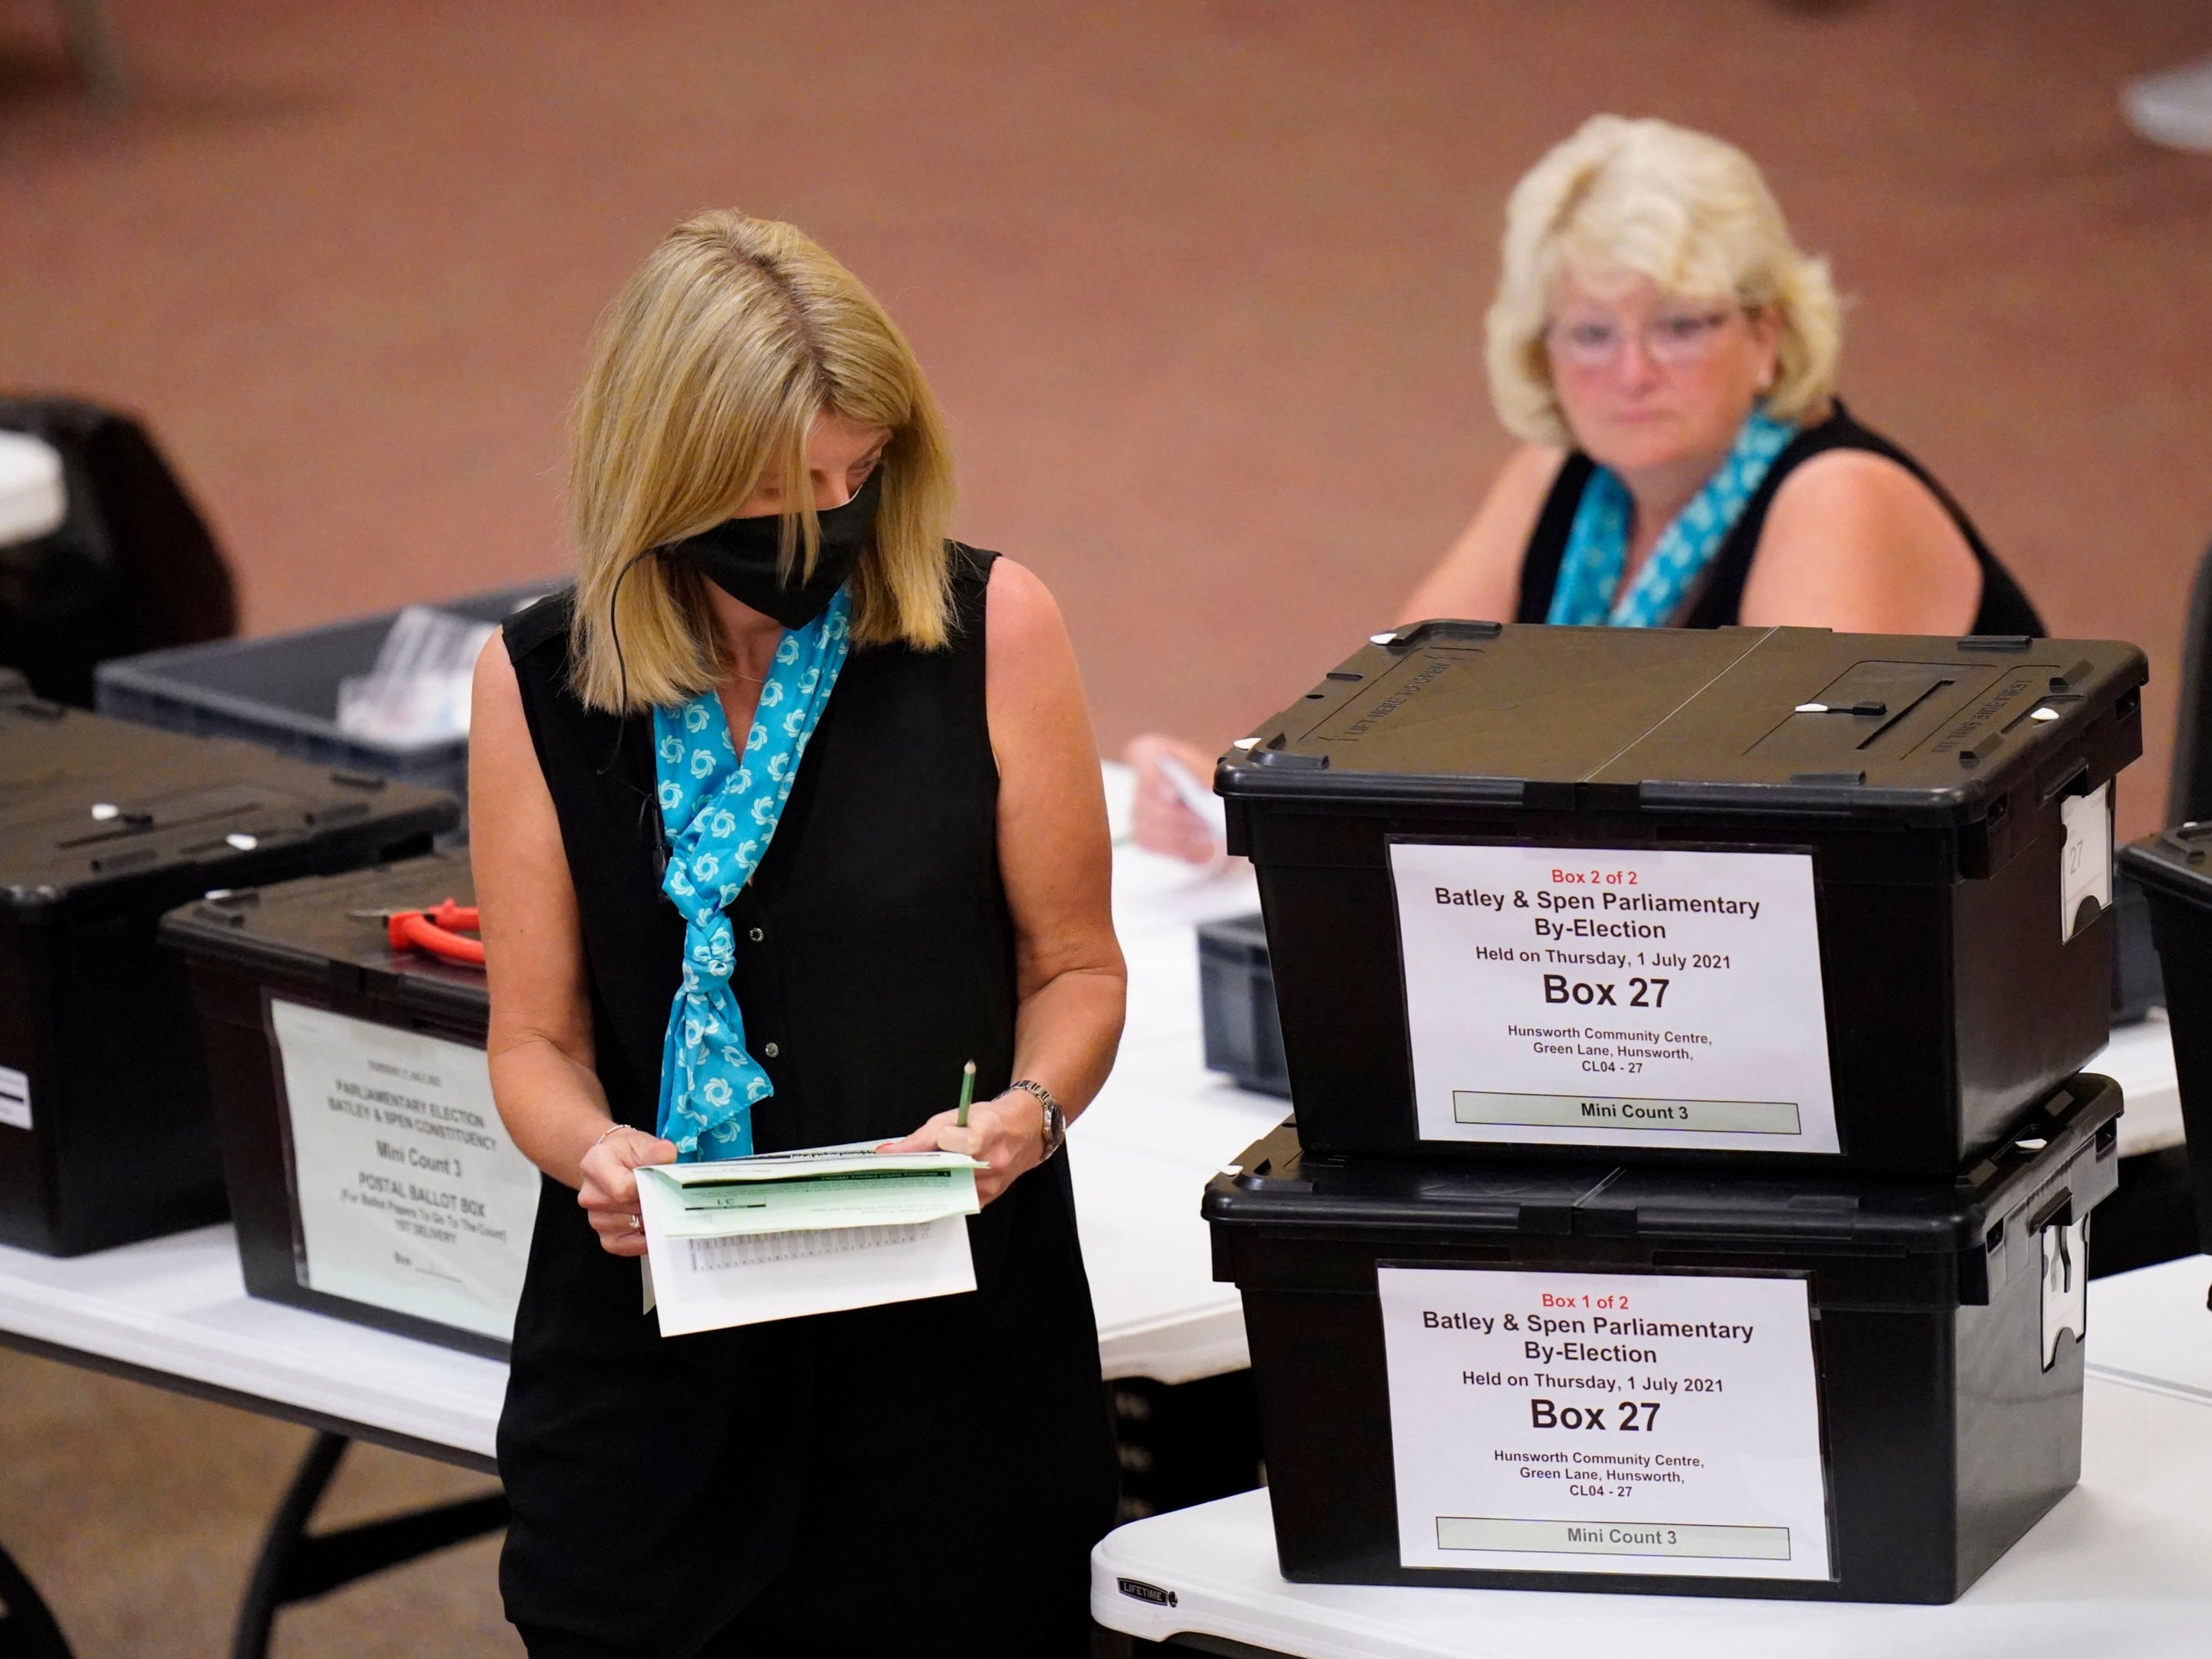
(28, 1629)
(296, 1566)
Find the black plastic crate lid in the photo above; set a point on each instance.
(47, 747)
(89, 803)
(1278, 1188)
(308, 930)
(1775, 720)
(2175, 862)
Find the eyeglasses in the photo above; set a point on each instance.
(1670, 339)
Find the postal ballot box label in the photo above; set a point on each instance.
(412, 1198)
(1617, 1423)
(1614, 997)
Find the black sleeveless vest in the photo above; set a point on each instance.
(1717, 600)
(823, 1475)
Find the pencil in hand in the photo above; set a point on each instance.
(966, 1093)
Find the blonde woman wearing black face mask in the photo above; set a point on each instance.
(1668, 356)
(700, 946)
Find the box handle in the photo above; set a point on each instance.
(2065, 1246)
(2075, 782)
(1457, 627)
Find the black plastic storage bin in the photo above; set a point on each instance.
(2137, 985)
(282, 690)
(104, 1129)
(1899, 1405)
(2174, 869)
(420, 1208)
(1243, 1034)
(1574, 833)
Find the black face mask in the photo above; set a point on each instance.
(740, 556)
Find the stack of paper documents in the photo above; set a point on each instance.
(738, 1241)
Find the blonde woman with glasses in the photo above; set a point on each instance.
(1668, 356)
(787, 810)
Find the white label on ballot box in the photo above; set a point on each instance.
(412, 1198)
(15, 1097)
(1666, 1424)
(2085, 860)
(1623, 997)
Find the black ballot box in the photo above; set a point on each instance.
(370, 1176)
(2174, 870)
(1666, 1380)
(1778, 894)
(105, 1133)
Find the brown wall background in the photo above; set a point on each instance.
(1200, 281)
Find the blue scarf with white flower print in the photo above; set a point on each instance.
(1597, 546)
(720, 808)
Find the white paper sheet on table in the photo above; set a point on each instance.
(743, 1241)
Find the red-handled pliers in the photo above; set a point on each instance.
(432, 931)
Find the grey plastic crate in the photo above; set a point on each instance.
(1236, 1002)
(281, 691)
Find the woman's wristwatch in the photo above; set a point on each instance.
(1055, 1127)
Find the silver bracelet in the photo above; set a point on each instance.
(1044, 1095)
(609, 1130)
(1054, 1130)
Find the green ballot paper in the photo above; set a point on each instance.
(782, 1235)
(808, 1192)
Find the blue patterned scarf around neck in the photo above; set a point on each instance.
(1597, 546)
(720, 808)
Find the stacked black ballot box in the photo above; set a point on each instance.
(369, 1174)
(1689, 1185)
(105, 1130)
(1910, 1356)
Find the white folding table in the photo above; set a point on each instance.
(2122, 1565)
(173, 1312)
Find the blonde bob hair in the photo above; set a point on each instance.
(1681, 208)
(708, 373)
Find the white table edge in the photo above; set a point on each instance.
(263, 1398)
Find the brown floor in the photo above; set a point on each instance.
(139, 1515)
(1200, 280)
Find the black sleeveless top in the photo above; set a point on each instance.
(1717, 599)
(923, 1477)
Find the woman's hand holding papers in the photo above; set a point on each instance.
(1007, 1133)
(609, 1192)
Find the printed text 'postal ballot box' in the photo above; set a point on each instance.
(1742, 891)
(370, 1176)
